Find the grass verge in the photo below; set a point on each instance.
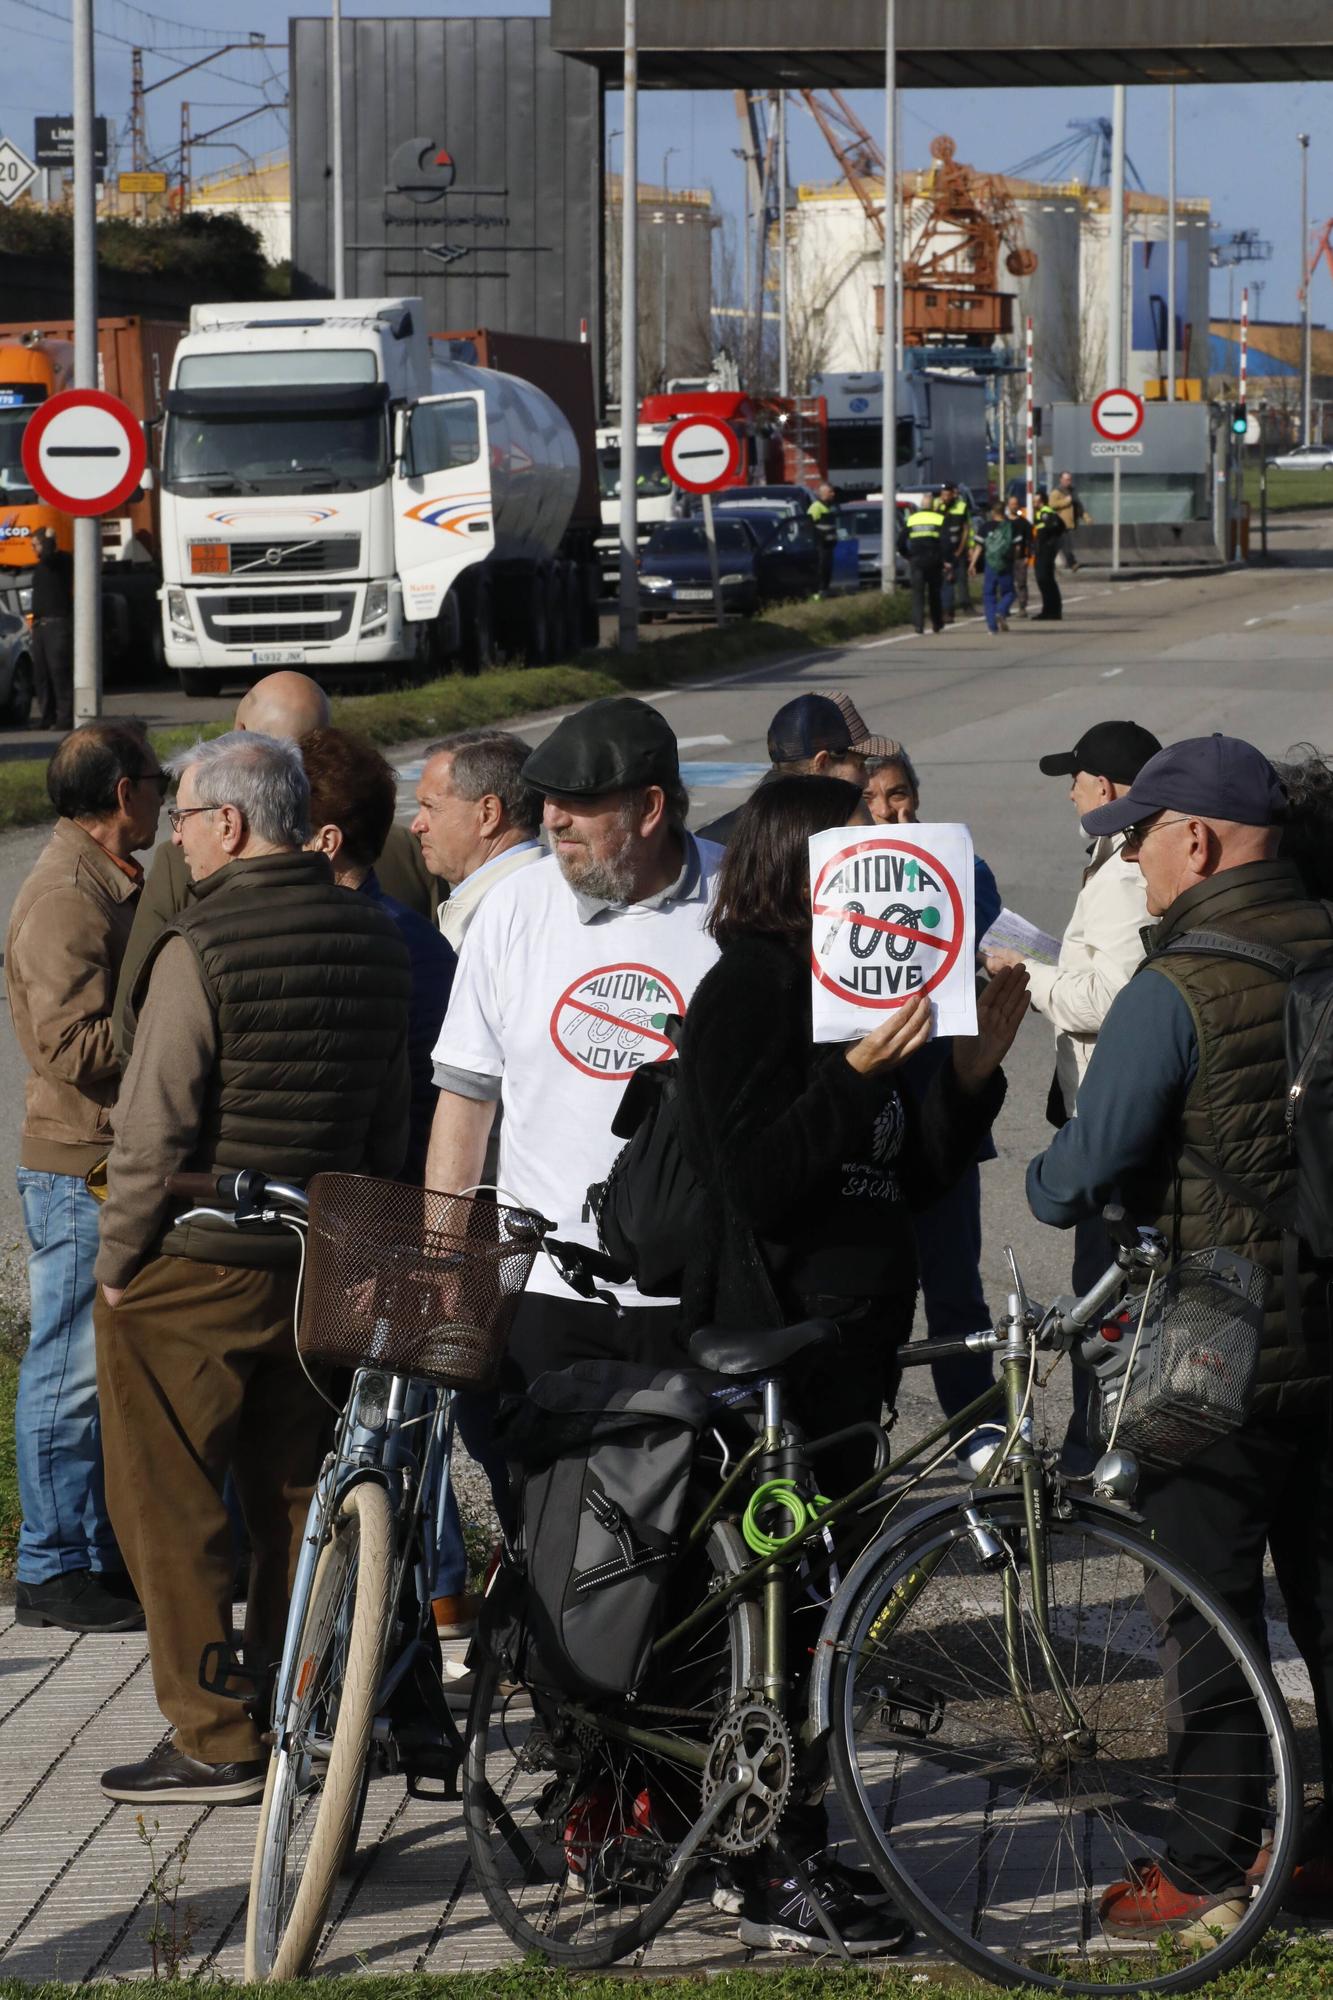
(1289, 492)
(1294, 1968)
(399, 715)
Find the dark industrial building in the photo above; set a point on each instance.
(472, 167)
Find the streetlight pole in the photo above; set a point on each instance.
(1171, 245)
(336, 145)
(782, 244)
(629, 352)
(666, 220)
(1303, 141)
(87, 528)
(888, 568)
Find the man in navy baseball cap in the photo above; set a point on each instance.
(1204, 777)
(1182, 1117)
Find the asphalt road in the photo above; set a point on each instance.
(1246, 652)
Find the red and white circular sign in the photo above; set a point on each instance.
(1117, 413)
(902, 914)
(612, 1020)
(84, 452)
(701, 454)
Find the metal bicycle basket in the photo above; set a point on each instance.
(1192, 1378)
(414, 1281)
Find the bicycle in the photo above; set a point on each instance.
(412, 1291)
(990, 1689)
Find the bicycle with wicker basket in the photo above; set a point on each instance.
(412, 1292)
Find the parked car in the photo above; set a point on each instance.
(1305, 458)
(788, 561)
(864, 519)
(16, 679)
(799, 497)
(675, 575)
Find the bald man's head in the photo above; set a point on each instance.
(286, 705)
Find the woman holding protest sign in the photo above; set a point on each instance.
(814, 1155)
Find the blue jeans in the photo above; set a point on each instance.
(474, 1415)
(997, 596)
(948, 1252)
(58, 1430)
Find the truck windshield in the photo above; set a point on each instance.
(652, 480)
(14, 488)
(291, 452)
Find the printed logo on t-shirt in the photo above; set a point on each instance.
(613, 1020)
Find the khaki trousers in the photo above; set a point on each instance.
(197, 1373)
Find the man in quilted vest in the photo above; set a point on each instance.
(271, 1033)
(1184, 1098)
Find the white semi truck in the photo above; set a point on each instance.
(340, 492)
(658, 499)
(941, 430)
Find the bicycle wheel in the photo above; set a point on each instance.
(997, 1821)
(569, 1831)
(316, 1773)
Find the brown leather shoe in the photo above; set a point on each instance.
(456, 1617)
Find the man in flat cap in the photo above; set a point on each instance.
(1181, 1116)
(568, 976)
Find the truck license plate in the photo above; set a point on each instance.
(278, 656)
(694, 596)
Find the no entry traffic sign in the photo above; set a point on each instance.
(84, 452)
(1117, 414)
(893, 918)
(701, 454)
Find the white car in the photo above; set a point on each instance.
(1305, 458)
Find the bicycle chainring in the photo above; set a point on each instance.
(753, 1735)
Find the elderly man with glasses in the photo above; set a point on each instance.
(68, 931)
(271, 1032)
(1181, 1117)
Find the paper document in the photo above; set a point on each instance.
(1010, 932)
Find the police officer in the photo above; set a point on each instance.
(822, 514)
(957, 549)
(1049, 531)
(921, 540)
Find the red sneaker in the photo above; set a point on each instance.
(1147, 1903)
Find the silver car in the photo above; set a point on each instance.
(16, 678)
(1305, 458)
(865, 520)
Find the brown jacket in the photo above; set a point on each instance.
(68, 932)
(400, 869)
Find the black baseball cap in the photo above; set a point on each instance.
(1213, 777)
(806, 726)
(613, 745)
(1114, 750)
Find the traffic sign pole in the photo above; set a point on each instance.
(1115, 516)
(710, 536)
(1117, 414)
(87, 530)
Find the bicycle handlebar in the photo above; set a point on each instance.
(237, 1192)
(203, 1187)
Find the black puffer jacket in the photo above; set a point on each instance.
(813, 1168)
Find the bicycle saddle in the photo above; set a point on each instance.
(724, 1352)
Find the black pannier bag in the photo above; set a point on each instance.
(651, 1207)
(606, 1450)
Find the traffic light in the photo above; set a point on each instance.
(1239, 420)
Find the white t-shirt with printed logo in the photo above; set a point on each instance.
(561, 1012)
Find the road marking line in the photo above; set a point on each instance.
(703, 742)
(1254, 621)
(1111, 673)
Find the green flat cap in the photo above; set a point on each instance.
(616, 744)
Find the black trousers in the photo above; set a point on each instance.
(1052, 604)
(53, 671)
(927, 586)
(551, 1332)
(1268, 1486)
(1093, 1251)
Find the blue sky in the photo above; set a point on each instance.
(1236, 144)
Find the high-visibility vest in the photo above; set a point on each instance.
(925, 527)
(960, 507)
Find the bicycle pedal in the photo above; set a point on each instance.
(222, 1673)
(422, 1785)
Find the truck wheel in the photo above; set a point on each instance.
(478, 609)
(536, 644)
(19, 706)
(199, 685)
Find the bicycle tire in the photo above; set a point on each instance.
(341, 1651)
(537, 1902)
(953, 1817)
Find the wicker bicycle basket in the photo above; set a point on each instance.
(1192, 1378)
(417, 1282)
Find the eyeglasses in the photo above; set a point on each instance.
(177, 813)
(1136, 835)
(162, 779)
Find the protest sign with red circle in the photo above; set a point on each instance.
(900, 914)
(612, 1020)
